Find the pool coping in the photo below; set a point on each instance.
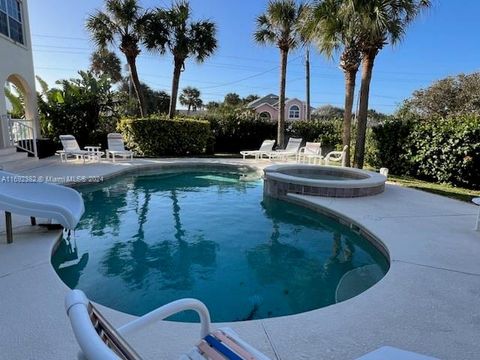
(290, 178)
(433, 254)
(373, 178)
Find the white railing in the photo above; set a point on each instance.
(22, 134)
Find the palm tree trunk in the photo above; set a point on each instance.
(367, 68)
(131, 60)
(177, 70)
(281, 105)
(350, 77)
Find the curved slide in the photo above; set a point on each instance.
(51, 201)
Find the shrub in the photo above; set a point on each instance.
(388, 146)
(448, 150)
(85, 107)
(232, 134)
(328, 132)
(442, 150)
(159, 137)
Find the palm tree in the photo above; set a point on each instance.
(278, 26)
(332, 28)
(173, 30)
(103, 61)
(190, 97)
(380, 22)
(121, 23)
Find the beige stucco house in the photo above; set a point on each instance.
(267, 107)
(16, 66)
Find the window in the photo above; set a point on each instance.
(3, 18)
(11, 23)
(294, 112)
(265, 116)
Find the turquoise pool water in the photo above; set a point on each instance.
(146, 240)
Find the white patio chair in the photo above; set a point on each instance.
(116, 147)
(265, 148)
(71, 148)
(291, 150)
(337, 156)
(99, 340)
(310, 153)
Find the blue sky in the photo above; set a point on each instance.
(443, 41)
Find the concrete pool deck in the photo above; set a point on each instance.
(429, 301)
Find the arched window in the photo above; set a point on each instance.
(265, 115)
(294, 112)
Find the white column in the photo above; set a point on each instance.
(3, 124)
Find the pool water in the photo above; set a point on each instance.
(146, 240)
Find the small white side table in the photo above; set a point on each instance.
(476, 201)
(94, 153)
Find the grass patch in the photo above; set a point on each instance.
(440, 189)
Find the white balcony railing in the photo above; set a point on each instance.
(22, 134)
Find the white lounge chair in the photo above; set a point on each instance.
(99, 340)
(116, 147)
(35, 199)
(291, 150)
(265, 149)
(310, 153)
(71, 148)
(337, 156)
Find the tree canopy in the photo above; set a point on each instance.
(453, 96)
(105, 62)
(190, 97)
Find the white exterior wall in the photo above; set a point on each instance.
(16, 66)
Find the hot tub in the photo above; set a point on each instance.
(330, 181)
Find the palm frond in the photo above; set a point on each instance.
(203, 42)
(43, 84)
(101, 28)
(279, 24)
(125, 12)
(155, 30)
(383, 21)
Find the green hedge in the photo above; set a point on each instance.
(226, 134)
(442, 150)
(328, 132)
(159, 137)
(232, 134)
(388, 146)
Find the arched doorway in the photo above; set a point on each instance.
(15, 101)
(18, 101)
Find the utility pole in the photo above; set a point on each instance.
(307, 71)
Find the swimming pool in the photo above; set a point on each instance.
(146, 240)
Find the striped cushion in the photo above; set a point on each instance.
(110, 336)
(220, 346)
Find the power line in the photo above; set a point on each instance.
(60, 37)
(248, 77)
(268, 88)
